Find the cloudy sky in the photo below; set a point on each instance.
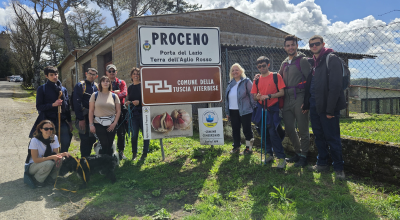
(300, 17)
(305, 18)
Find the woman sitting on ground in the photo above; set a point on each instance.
(104, 112)
(135, 100)
(239, 107)
(43, 154)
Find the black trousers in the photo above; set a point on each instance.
(106, 138)
(238, 121)
(121, 131)
(87, 140)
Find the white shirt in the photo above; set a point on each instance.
(38, 145)
(289, 61)
(232, 96)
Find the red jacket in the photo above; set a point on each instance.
(120, 85)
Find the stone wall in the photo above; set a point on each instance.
(375, 159)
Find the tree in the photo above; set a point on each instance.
(30, 30)
(5, 63)
(173, 6)
(61, 6)
(113, 6)
(89, 26)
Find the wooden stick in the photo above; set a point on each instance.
(59, 119)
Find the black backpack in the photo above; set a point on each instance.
(346, 70)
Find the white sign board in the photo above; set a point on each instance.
(179, 46)
(211, 126)
(167, 121)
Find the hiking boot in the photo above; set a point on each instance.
(281, 163)
(302, 162)
(122, 156)
(293, 159)
(246, 151)
(319, 168)
(269, 159)
(339, 176)
(235, 150)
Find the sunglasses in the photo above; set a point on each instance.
(316, 44)
(111, 71)
(46, 129)
(263, 66)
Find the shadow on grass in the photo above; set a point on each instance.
(144, 187)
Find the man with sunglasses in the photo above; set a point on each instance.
(119, 88)
(82, 92)
(294, 71)
(265, 91)
(324, 97)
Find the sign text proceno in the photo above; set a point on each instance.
(179, 46)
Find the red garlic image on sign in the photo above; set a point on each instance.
(162, 123)
(182, 119)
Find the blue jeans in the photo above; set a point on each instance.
(66, 136)
(137, 123)
(271, 139)
(327, 138)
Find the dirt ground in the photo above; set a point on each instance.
(17, 200)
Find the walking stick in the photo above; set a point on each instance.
(262, 133)
(59, 119)
(266, 129)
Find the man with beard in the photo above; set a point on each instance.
(47, 103)
(324, 97)
(294, 71)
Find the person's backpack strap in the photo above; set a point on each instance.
(276, 81)
(327, 60)
(97, 85)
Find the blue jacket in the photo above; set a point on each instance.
(44, 101)
(245, 101)
(81, 99)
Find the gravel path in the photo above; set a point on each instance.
(17, 200)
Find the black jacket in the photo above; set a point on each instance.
(81, 99)
(329, 94)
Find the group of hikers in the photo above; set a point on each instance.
(303, 89)
(100, 111)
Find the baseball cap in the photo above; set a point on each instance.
(111, 66)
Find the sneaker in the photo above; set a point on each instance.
(122, 156)
(134, 156)
(246, 151)
(319, 168)
(269, 159)
(302, 162)
(293, 159)
(143, 157)
(339, 175)
(281, 163)
(235, 150)
(39, 184)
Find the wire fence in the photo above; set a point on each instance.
(373, 56)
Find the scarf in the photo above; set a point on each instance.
(46, 142)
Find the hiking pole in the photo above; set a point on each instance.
(59, 120)
(262, 125)
(266, 128)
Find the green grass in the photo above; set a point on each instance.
(203, 182)
(24, 95)
(372, 126)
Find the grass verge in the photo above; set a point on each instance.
(203, 182)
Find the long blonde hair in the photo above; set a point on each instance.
(241, 70)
